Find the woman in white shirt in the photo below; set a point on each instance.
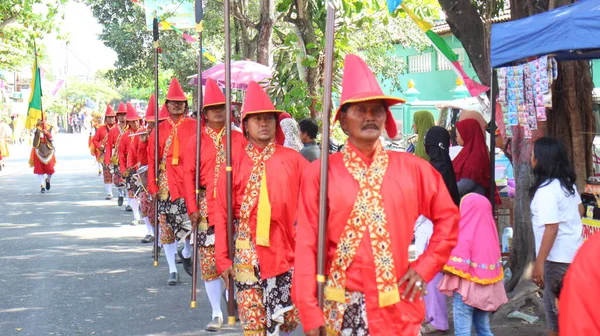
(556, 217)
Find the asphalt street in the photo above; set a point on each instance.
(71, 263)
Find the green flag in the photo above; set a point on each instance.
(34, 112)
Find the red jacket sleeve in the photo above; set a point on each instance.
(152, 187)
(218, 216)
(96, 140)
(189, 176)
(109, 144)
(123, 150)
(304, 286)
(436, 204)
(132, 155)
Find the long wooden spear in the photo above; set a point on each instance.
(323, 210)
(228, 169)
(199, 23)
(156, 116)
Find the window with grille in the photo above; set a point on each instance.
(419, 63)
(444, 64)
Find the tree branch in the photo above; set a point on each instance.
(7, 22)
(244, 20)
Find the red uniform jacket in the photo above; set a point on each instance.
(208, 158)
(142, 152)
(111, 143)
(185, 131)
(411, 187)
(101, 133)
(578, 312)
(133, 152)
(284, 172)
(124, 145)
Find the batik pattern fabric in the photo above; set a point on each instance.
(147, 207)
(114, 159)
(355, 316)
(265, 307)
(208, 262)
(106, 174)
(130, 185)
(173, 219)
(117, 178)
(367, 213)
(163, 182)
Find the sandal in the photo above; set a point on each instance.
(428, 328)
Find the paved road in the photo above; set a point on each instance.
(72, 265)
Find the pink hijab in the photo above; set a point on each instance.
(476, 257)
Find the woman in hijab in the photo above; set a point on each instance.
(423, 122)
(290, 129)
(436, 144)
(472, 164)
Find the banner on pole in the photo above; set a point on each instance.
(178, 13)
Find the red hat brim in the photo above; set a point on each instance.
(390, 124)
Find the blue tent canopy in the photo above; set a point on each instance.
(568, 33)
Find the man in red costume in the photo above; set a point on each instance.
(173, 134)
(138, 156)
(212, 158)
(111, 153)
(42, 157)
(266, 182)
(99, 141)
(375, 197)
(578, 303)
(133, 123)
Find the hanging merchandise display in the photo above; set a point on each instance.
(521, 90)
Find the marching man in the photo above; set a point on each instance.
(212, 157)
(375, 197)
(99, 142)
(111, 153)
(133, 123)
(42, 157)
(174, 134)
(266, 182)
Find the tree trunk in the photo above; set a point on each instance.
(265, 33)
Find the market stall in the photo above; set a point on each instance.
(523, 54)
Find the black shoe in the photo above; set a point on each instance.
(100, 173)
(47, 184)
(128, 208)
(43, 190)
(187, 262)
(120, 201)
(173, 279)
(148, 239)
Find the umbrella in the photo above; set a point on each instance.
(242, 73)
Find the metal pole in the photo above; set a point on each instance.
(199, 18)
(492, 191)
(228, 169)
(327, 84)
(156, 171)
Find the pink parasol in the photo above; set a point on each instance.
(242, 73)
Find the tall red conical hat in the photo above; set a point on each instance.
(257, 101)
(109, 111)
(132, 114)
(164, 113)
(360, 85)
(122, 108)
(175, 91)
(150, 110)
(213, 95)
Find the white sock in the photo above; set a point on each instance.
(108, 188)
(170, 250)
(149, 227)
(49, 177)
(128, 199)
(42, 180)
(187, 249)
(99, 166)
(214, 288)
(135, 208)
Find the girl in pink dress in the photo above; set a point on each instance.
(473, 274)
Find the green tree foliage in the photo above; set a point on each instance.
(73, 97)
(22, 21)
